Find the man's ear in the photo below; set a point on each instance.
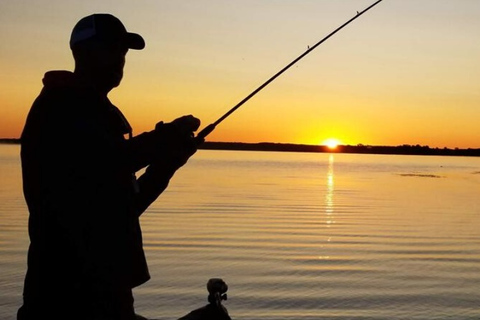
(80, 54)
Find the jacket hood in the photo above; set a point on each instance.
(59, 78)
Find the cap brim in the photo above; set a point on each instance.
(134, 41)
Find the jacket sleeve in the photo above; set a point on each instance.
(142, 149)
(148, 150)
(152, 183)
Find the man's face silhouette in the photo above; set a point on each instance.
(103, 63)
(108, 62)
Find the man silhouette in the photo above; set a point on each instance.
(79, 160)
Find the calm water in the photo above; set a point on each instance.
(296, 236)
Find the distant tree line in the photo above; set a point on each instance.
(360, 148)
(407, 149)
(10, 141)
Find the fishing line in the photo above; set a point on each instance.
(208, 129)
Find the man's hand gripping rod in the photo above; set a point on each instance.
(208, 129)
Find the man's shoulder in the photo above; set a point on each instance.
(59, 84)
(61, 102)
(62, 93)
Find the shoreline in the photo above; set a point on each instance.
(358, 149)
(290, 147)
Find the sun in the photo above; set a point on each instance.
(331, 143)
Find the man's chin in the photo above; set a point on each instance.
(115, 82)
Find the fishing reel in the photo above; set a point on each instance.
(217, 289)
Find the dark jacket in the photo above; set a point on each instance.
(84, 201)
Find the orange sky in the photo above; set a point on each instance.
(407, 72)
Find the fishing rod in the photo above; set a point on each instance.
(208, 129)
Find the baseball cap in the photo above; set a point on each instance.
(107, 28)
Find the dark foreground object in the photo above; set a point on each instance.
(217, 289)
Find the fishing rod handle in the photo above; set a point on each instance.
(205, 132)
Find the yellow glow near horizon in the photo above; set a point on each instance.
(331, 143)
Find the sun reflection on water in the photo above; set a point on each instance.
(329, 204)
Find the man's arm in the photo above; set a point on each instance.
(178, 145)
(151, 184)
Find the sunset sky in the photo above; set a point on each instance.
(406, 72)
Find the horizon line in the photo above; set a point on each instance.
(312, 145)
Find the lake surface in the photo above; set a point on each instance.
(296, 236)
